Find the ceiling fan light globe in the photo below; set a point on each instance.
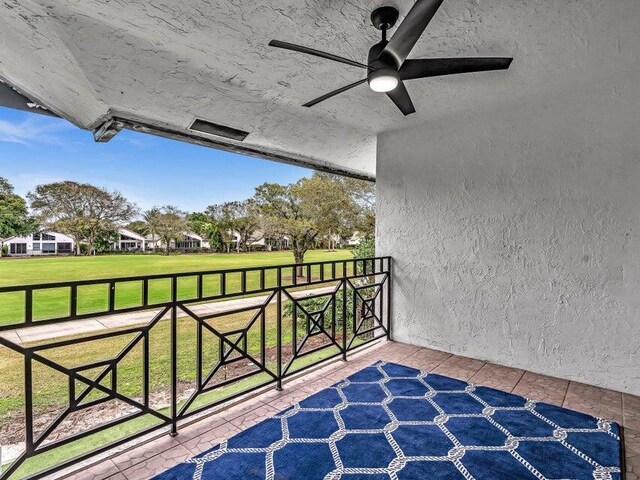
(383, 81)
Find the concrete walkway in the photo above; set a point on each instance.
(107, 322)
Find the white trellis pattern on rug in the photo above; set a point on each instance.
(401, 417)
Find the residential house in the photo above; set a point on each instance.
(41, 243)
(129, 241)
(189, 241)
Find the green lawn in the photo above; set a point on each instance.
(57, 269)
(53, 303)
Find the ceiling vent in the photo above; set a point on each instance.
(210, 128)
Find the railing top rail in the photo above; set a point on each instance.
(160, 276)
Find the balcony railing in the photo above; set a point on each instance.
(178, 351)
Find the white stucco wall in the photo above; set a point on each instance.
(516, 232)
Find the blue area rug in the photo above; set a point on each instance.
(389, 421)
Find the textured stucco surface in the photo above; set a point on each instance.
(169, 61)
(516, 230)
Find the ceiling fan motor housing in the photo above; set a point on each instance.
(380, 65)
(384, 18)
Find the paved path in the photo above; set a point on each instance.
(101, 323)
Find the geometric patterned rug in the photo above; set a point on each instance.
(390, 421)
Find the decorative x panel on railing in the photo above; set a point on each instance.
(368, 310)
(229, 343)
(315, 323)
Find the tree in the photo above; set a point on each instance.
(205, 226)
(80, 210)
(199, 222)
(240, 217)
(363, 193)
(289, 210)
(5, 187)
(138, 226)
(245, 222)
(150, 218)
(14, 215)
(331, 204)
(168, 223)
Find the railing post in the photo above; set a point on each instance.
(344, 317)
(389, 295)
(174, 356)
(73, 301)
(279, 330)
(28, 401)
(28, 306)
(112, 296)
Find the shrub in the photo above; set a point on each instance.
(366, 249)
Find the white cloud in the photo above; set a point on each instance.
(34, 130)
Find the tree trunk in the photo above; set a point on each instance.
(298, 255)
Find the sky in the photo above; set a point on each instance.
(148, 170)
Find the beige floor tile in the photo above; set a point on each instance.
(542, 388)
(631, 411)
(102, 471)
(254, 416)
(498, 377)
(595, 401)
(144, 452)
(157, 464)
(632, 453)
(426, 359)
(206, 440)
(461, 368)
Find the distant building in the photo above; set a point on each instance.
(258, 239)
(189, 241)
(354, 239)
(42, 243)
(129, 241)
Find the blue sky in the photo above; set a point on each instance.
(148, 170)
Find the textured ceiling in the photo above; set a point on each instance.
(169, 61)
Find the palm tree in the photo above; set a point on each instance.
(151, 218)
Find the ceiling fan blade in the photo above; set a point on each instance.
(435, 67)
(401, 98)
(317, 53)
(411, 28)
(334, 93)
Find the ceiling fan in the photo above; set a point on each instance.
(388, 66)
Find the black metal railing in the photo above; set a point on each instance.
(290, 318)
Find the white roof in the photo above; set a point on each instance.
(49, 232)
(129, 233)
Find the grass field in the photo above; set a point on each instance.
(51, 389)
(52, 303)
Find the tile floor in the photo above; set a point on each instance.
(155, 456)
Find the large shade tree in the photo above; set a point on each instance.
(331, 205)
(363, 194)
(14, 215)
(289, 210)
(80, 210)
(240, 217)
(168, 223)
